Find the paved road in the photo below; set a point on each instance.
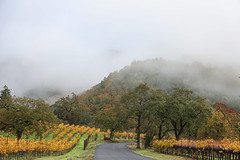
(116, 151)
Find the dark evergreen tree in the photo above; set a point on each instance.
(5, 98)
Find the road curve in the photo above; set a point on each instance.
(116, 151)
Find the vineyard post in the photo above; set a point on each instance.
(85, 143)
(7, 140)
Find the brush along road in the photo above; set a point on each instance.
(116, 151)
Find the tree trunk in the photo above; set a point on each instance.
(178, 131)
(182, 125)
(177, 136)
(138, 131)
(160, 132)
(174, 124)
(111, 134)
(148, 139)
(19, 135)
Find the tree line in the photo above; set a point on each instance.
(160, 114)
(179, 113)
(148, 110)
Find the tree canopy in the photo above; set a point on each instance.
(184, 109)
(21, 114)
(137, 102)
(26, 115)
(71, 110)
(156, 112)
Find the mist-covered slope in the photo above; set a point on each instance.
(50, 95)
(214, 83)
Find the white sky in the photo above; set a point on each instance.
(73, 44)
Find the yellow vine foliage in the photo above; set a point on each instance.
(97, 131)
(142, 136)
(104, 134)
(225, 144)
(124, 134)
(108, 131)
(66, 137)
(117, 134)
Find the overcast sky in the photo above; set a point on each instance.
(74, 44)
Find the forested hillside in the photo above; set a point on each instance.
(164, 95)
(214, 83)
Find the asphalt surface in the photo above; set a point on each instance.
(116, 151)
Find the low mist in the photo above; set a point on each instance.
(196, 75)
(57, 47)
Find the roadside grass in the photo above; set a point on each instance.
(77, 152)
(151, 154)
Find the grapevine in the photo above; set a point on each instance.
(63, 140)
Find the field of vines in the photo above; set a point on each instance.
(58, 139)
(200, 149)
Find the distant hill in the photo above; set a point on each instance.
(50, 95)
(214, 83)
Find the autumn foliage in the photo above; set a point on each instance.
(65, 137)
(225, 144)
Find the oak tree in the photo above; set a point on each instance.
(137, 102)
(26, 115)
